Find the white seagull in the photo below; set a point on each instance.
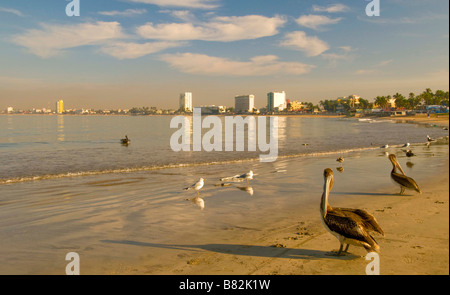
(406, 144)
(385, 146)
(430, 139)
(197, 186)
(247, 176)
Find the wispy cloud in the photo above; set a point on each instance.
(224, 29)
(51, 40)
(200, 4)
(316, 21)
(128, 12)
(131, 50)
(335, 8)
(257, 66)
(375, 68)
(11, 10)
(298, 40)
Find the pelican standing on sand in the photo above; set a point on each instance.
(404, 181)
(197, 186)
(349, 226)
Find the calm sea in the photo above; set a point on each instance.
(34, 147)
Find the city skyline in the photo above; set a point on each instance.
(121, 54)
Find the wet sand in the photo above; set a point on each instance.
(294, 242)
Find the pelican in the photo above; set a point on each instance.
(247, 176)
(340, 160)
(125, 140)
(349, 226)
(404, 181)
(197, 186)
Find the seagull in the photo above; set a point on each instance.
(197, 186)
(340, 160)
(406, 144)
(247, 176)
(385, 146)
(430, 139)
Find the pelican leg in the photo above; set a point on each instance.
(340, 250)
(346, 248)
(402, 190)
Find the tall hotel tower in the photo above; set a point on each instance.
(60, 107)
(186, 101)
(276, 101)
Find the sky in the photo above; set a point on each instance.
(134, 53)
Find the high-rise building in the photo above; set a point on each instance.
(186, 101)
(276, 101)
(244, 103)
(60, 107)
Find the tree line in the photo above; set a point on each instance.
(412, 102)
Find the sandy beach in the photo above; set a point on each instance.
(434, 119)
(416, 243)
(294, 242)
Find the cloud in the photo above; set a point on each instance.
(257, 66)
(51, 40)
(128, 12)
(224, 29)
(335, 8)
(200, 4)
(129, 50)
(316, 21)
(375, 68)
(298, 40)
(11, 10)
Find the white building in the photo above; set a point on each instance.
(244, 103)
(276, 101)
(186, 101)
(10, 110)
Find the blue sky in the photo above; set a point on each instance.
(125, 53)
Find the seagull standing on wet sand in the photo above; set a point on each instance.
(247, 176)
(197, 186)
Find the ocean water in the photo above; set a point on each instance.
(67, 184)
(42, 147)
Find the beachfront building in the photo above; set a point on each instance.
(60, 107)
(186, 102)
(244, 103)
(295, 106)
(276, 101)
(10, 110)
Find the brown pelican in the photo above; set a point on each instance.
(197, 186)
(404, 181)
(349, 226)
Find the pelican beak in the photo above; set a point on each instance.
(400, 168)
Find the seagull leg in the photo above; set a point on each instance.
(247, 182)
(198, 193)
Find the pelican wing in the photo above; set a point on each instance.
(349, 228)
(367, 219)
(405, 181)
